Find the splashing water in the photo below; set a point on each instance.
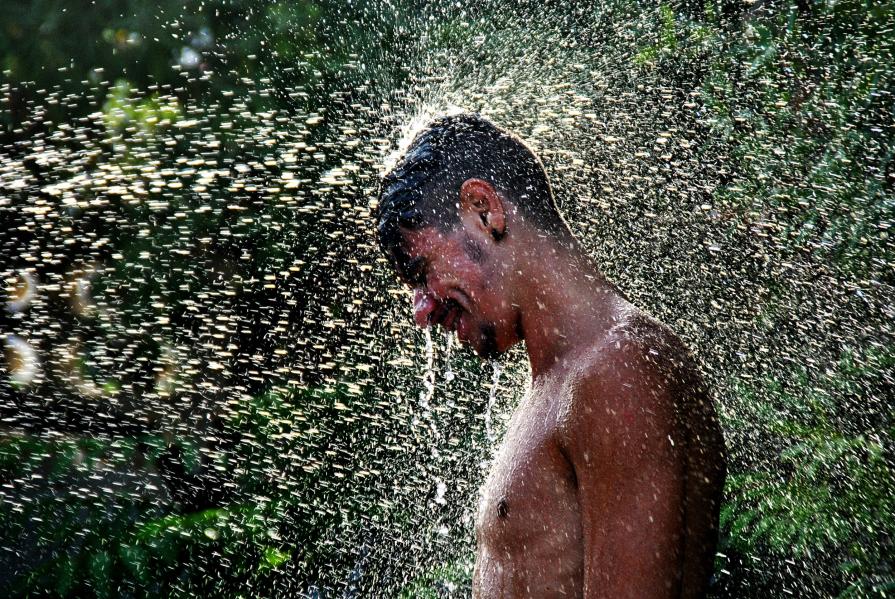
(448, 348)
(429, 373)
(206, 356)
(492, 399)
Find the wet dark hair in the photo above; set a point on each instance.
(423, 188)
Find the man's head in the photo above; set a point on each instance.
(450, 217)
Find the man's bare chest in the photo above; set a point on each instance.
(530, 495)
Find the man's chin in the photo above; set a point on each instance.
(483, 341)
(486, 343)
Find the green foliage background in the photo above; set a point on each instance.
(797, 97)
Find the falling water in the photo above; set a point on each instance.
(448, 348)
(492, 399)
(429, 373)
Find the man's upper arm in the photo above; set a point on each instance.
(620, 440)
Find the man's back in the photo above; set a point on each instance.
(563, 514)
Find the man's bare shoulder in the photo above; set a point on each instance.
(639, 352)
(620, 391)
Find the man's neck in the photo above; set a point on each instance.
(565, 304)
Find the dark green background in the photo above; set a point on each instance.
(296, 471)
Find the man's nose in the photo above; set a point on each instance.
(423, 305)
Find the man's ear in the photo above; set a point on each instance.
(480, 202)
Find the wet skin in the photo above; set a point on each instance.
(608, 480)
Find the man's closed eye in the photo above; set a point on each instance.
(415, 273)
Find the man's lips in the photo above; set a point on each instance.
(447, 314)
(446, 311)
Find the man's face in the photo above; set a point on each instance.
(456, 284)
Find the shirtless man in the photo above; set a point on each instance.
(608, 480)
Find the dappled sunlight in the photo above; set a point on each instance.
(212, 383)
